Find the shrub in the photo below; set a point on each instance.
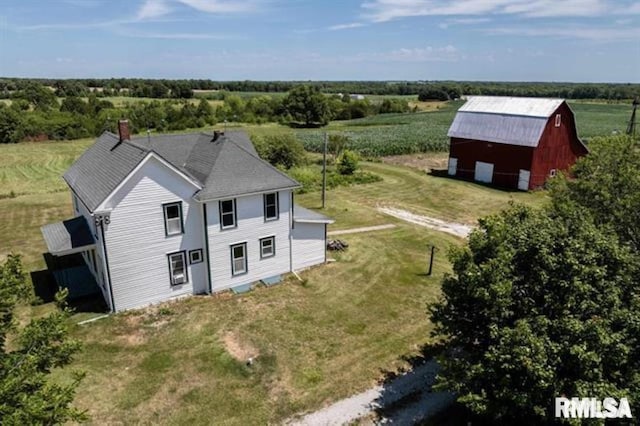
(280, 150)
(348, 163)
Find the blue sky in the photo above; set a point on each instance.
(532, 40)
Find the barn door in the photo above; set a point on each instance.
(523, 180)
(484, 172)
(453, 166)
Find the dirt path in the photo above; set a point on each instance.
(364, 229)
(457, 229)
(388, 400)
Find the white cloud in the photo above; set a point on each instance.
(153, 9)
(174, 36)
(601, 34)
(387, 10)
(447, 53)
(346, 26)
(221, 6)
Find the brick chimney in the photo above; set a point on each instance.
(123, 130)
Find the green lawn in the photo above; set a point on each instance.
(316, 341)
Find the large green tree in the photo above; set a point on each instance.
(307, 105)
(607, 184)
(29, 354)
(541, 303)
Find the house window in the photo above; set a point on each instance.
(267, 247)
(239, 259)
(173, 218)
(178, 268)
(271, 206)
(195, 256)
(558, 120)
(228, 214)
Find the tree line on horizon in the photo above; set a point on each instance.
(166, 88)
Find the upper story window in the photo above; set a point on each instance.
(271, 211)
(173, 218)
(558, 120)
(178, 268)
(227, 214)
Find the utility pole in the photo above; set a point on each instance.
(324, 170)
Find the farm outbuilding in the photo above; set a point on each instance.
(513, 142)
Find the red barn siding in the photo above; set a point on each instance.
(558, 149)
(507, 160)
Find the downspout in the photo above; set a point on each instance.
(206, 245)
(291, 234)
(105, 262)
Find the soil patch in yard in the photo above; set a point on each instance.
(425, 162)
(240, 350)
(458, 229)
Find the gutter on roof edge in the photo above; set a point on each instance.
(225, 197)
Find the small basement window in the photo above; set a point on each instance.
(227, 214)
(267, 247)
(195, 256)
(239, 259)
(173, 218)
(178, 268)
(271, 206)
(558, 120)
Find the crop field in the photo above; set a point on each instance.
(397, 134)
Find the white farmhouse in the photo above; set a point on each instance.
(172, 215)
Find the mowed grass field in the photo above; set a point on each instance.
(316, 341)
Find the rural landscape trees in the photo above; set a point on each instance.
(545, 303)
(28, 355)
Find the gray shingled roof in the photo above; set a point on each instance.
(69, 236)
(300, 214)
(226, 167)
(101, 168)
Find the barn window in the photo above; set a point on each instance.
(228, 214)
(178, 268)
(271, 206)
(239, 259)
(173, 218)
(558, 120)
(553, 172)
(267, 247)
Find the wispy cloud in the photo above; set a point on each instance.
(601, 34)
(153, 9)
(346, 26)
(387, 10)
(448, 53)
(222, 6)
(175, 36)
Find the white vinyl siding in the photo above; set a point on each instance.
(136, 242)
(173, 218)
(178, 268)
(271, 206)
(251, 226)
(308, 245)
(239, 259)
